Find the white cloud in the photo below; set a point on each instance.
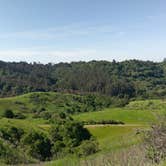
(56, 56)
(59, 32)
(47, 56)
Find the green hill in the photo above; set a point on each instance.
(42, 104)
(40, 107)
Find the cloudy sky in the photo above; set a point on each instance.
(73, 30)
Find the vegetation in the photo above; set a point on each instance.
(90, 113)
(44, 105)
(123, 79)
(156, 141)
(124, 115)
(64, 137)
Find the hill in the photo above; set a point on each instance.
(123, 79)
(42, 104)
(40, 111)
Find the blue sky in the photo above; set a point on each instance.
(73, 30)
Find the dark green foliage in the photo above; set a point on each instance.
(129, 78)
(93, 122)
(38, 145)
(66, 136)
(11, 134)
(8, 114)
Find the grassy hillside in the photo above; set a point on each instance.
(136, 112)
(38, 103)
(126, 116)
(116, 137)
(137, 116)
(119, 142)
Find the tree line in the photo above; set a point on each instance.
(131, 78)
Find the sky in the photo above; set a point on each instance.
(82, 30)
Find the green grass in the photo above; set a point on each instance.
(116, 137)
(124, 115)
(26, 124)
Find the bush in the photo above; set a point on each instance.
(8, 155)
(67, 135)
(11, 134)
(38, 145)
(156, 142)
(87, 147)
(58, 149)
(8, 114)
(92, 122)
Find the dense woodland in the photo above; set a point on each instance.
(123, 79)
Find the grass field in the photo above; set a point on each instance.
(115, 137)
(124, 115)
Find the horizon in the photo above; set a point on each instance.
(79, 61)
(61, 31)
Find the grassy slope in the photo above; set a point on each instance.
(112, 139)
(34, 101)
(137, 114)
(115, 137)
(124, 115)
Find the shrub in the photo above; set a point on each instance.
(38, 145)
(8, 114)
(87, 147)
(67, 136)
(11, 134)
(10, 155)
(156, 142)
(92, 122)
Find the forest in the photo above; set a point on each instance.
(133, 78)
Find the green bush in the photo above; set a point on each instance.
(67, 135)
(11, 134)
(87, 147)
(37, 145)
(11, 156)
(8, 114)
